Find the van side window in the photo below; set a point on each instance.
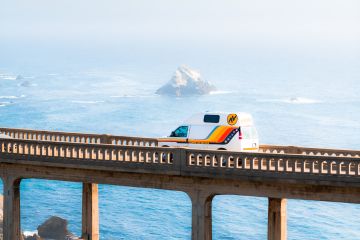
(211, 118)
(180, 132)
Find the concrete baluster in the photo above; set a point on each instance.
(339, 165)
(237, 162)
(348, 168)
(312, 166)
(303, 165)
(268, 164)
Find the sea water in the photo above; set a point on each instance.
(297, 99)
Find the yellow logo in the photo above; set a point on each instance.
(232, 119)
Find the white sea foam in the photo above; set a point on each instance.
(292, 100)
(12, 97)
(7, 77)
(3, 104)
(86, 102)
(132, 96)
(30, 233)
(301, 100)
(219, 92)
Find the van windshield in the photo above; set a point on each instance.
(180, 132)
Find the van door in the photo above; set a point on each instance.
(180, 136)
(198, 136)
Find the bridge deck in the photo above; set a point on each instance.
(276, 172)
(143, 155)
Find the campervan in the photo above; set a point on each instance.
(215, 131)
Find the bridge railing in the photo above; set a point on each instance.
(273, 163)
(181, 161)
(136, 157)
(308, 151)
(57, 136)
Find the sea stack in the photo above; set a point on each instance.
(186, 82)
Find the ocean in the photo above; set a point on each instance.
(296, 98)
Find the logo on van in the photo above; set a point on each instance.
(232, 119)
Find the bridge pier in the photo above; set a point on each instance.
(11, 210)
(90, 212)
(201, 215)
(277, 219)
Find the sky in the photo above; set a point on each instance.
(223, 22)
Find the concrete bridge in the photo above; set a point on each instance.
(276, 172)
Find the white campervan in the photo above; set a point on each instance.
(218, 131)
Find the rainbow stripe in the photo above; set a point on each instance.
(219, 135)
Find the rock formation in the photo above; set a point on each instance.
(55, 228)
(186, 82)
(19, 77)
(25, 84)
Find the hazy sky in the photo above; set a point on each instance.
(319, 22)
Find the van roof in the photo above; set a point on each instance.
(225, 118)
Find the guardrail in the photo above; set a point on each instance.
(57, 136)
(182, 161)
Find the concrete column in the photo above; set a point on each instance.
(90, 212)
(11, 210)
(201, 216)
(277, 219)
